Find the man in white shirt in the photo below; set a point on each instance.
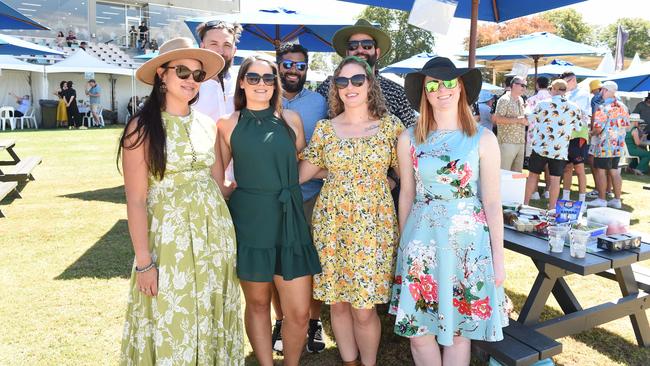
(216, 96)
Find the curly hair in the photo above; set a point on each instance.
(376, 102)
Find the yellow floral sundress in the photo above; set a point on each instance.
(354, 221)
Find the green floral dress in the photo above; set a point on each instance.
(195, 318)
(354, 220)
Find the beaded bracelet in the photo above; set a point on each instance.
(145, 269)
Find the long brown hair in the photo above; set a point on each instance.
(240, 94)
(276, 98)
(427, 123)
(376, 102)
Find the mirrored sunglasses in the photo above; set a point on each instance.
(433, 85)
(300, 65)
(183, 72)
(342, 82)
(253, 78)
(366, 44)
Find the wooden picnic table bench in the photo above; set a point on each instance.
(22, 168)
(521, 346)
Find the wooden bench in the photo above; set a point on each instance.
(5, 189)
(22, 171)
(520, 346)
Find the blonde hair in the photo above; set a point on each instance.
(427, 123)
(376, 102)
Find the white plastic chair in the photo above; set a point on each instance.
(29, 116)
(7, 116)
(88, 118)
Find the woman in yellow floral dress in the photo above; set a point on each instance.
(354, 221)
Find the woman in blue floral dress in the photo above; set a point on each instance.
(450, 267)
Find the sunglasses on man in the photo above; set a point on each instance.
(288, 64)
(433, 86)
(253, 78)
(183, 72)
(357, 80)
(366, 44)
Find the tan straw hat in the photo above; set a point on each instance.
(176, 49)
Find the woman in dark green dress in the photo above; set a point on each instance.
(274, 246)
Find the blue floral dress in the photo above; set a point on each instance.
(444, 280)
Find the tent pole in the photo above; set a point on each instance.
(536, 60)
(473, 30)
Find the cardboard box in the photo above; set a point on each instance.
(513, 186)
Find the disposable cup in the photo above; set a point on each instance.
(579, 240)
(556, 238)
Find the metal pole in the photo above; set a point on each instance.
(473, 33)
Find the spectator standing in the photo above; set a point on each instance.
(541, 86)
(61, 112)
(153, 45)
(511, 126)
(555, 120)
(579, 144)
(610, 122)
(485, 103)
(293, 65)
(371, 43)
(83, 45)
(71, 38)
(70, 98)
(94, 93)
(24, 103)
(643, 109)
(133, 37)
(143, 32)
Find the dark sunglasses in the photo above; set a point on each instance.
(561, 89)
(254, 78)
(434, 85)
(342, 82)
(183, 72)
(300, 65)
(366, 44)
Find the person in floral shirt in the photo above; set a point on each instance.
(610, 123)
(511, 126)
(555, 120)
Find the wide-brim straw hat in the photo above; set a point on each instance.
(176, 49)
(341, 37)
(442, 68)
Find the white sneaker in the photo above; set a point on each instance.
(546, 194)
(593, 194)
(597, 203)
(614, 203)
(535, 196)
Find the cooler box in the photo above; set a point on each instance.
(513, 186)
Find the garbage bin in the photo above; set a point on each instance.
(48, 112)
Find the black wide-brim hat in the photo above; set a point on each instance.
(442, 68)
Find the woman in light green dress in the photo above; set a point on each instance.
(184, 298)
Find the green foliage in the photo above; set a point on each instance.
(639, 40)
(407, 40)
(318, 62)
(569, 24)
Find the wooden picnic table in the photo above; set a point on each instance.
(553, 267)
(8, 145)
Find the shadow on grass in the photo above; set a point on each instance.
(110, 257)
(601, 340)
(113, 195)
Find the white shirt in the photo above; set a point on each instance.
(212, 99)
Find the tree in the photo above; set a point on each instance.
(318, 62)
(569, 24)
(491, 33)
(639, 36)
(407, 40)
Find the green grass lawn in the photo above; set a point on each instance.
(66, 257)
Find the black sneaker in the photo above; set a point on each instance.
(276, 338)
(315, 342)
